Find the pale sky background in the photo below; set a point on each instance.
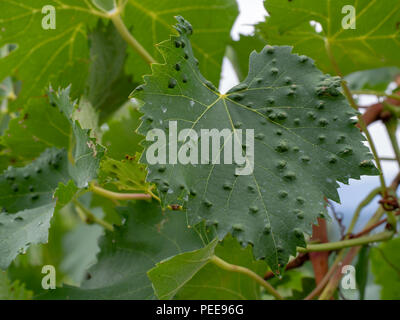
(253, 11)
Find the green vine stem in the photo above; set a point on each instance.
(376, 93)
(383, 236)
(362, 204)
(115, 17)
(119, 196)
(89, 218)
(239, 269)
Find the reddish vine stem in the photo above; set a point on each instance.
(375, 111)
(319, 260)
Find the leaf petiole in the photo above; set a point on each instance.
(383, 236)
(119, 196)
(129, 38)
(89, 218)
(239, 269)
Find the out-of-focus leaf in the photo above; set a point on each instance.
(362, 270)
(147, 237)
(41, 53)
(127, 175)
(108, 86)
(238, 53)
(304, 142)
(375, 79)
(373, 43)
(213, 20)
(385, 265)
(121, 139)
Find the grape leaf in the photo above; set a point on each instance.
(38, 127)
(33, 186)
(213, 18)
(240, 50)
(385, 265)
(30, 192)
(13, 290)
(80, 247)
(290, 282)
(121, 138)
(362, 270)
(27, 267)
(86, 152)
(66, 50)
(372, 44)
(146, 237)
(108, 86)
(126, 175)
(169, 276)
(53, 50)
(60, 123)
(65, 193)
(20, 230)
(28, 204)
(305, 141)
(375, 79)
(191, 276)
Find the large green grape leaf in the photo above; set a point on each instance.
(213, 20)
(385, 265)
(191, 275)
(147, 237)
(373, 43)
(41, 54)
(305, 141)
